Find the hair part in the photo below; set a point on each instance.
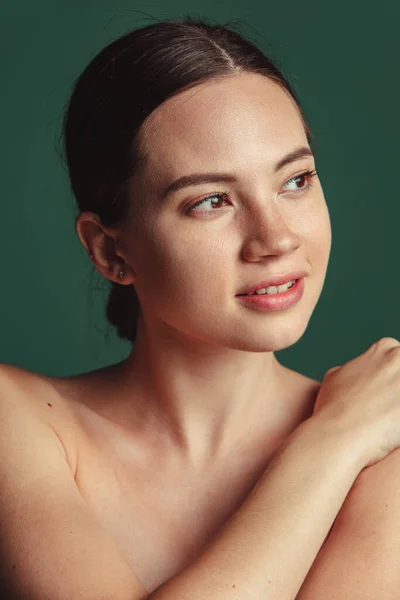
(121, 86)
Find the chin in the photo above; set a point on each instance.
(270, 343)
(270, 338)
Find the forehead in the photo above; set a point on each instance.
(237, 121)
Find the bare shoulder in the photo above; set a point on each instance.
(40, 395)
(44, 518)
(301, 391)
(361, 557)
(297, 380)
(375, 496)
(308, 384)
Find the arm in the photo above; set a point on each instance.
(53, 548)
(267, 547)
(361, 559)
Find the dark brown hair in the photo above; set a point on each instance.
(117, 91)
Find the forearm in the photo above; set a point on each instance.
(267, 547)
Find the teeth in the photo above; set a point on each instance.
(273, 289)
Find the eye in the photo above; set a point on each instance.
(214, 198)
(305, 179)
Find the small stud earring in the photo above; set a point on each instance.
(121, 274)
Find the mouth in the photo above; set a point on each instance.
(273, 289)
(276, 298)
(274, 284)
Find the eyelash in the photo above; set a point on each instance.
(309, 175)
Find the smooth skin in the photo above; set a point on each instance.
(203, 363)
(53, 546)
(203, 379)
(197, 346)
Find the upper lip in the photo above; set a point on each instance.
(273, 280)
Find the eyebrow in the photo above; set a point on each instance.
(196, 178)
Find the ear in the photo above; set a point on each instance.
(102, 242)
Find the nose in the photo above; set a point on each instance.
(268, 234)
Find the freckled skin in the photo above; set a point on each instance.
(197, 345)
(243, 125)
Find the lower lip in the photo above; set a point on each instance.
(276, 301)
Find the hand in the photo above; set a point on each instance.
(363, 397)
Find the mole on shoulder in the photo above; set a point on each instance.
(48, 404)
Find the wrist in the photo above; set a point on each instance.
(333, 436)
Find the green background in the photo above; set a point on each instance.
(342, 59)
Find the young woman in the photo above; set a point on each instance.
(192, 166)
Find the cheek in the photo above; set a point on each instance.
(316, 230)
(194, 263)
(177, 262)
(319, 246)
(323, 234)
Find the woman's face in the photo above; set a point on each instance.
(190, 263)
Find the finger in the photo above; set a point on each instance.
(332, 370)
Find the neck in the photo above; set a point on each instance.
(205, 400)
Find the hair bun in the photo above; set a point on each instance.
(123, 310)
